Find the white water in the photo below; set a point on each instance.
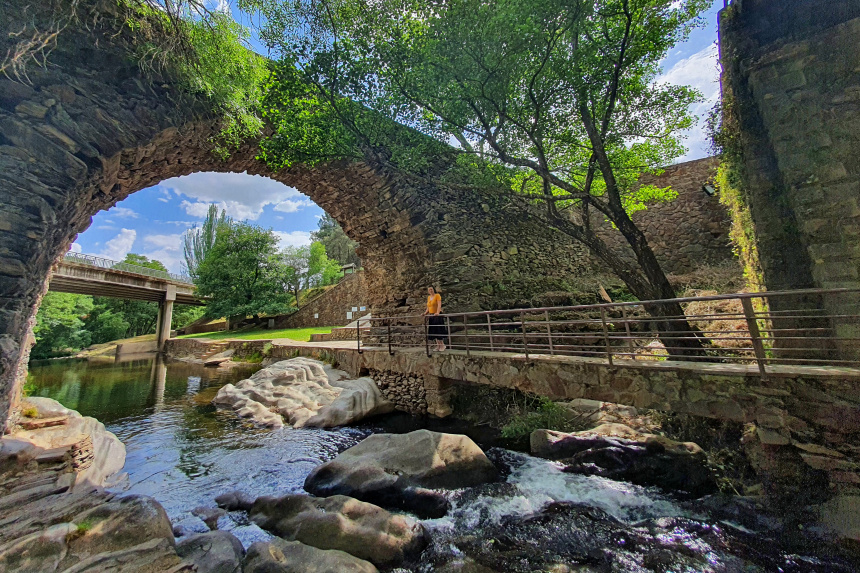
(539, 483)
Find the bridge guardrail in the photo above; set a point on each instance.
(815, 327)
(103, 263)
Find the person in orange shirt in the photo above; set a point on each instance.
(436, 330)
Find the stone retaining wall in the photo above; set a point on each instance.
(331, 307)
(687, 233)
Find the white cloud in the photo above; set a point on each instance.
(701, 71)
(243, 196)
(292, 205)
(123, 212)
(118, 247)
(172, 242)
(165, 248)
(293, 238)
(106, 228)
(75, 248)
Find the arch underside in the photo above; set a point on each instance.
(89, 128)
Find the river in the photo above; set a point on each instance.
(184, 452)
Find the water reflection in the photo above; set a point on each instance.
(181, 450)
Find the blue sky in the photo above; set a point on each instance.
(152, 221)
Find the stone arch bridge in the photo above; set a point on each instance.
(86, 127)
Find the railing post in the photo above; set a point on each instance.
(490, 332)
(605, 335)
(525, 339)
(755, 335)
(448, 329)
(358, 334)
(627, 331)
(466, 332)
(426, 337)
(390, 352)
(548, 331)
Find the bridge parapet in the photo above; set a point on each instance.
(100, 262)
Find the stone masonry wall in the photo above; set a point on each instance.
(690, 232)
(791, 71)
(331, 306)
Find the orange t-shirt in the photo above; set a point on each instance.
(434, 303)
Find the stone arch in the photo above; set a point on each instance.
(89, 128)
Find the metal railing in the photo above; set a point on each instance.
(93, 261)
(807, 327)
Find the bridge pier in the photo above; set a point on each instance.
(165, 317)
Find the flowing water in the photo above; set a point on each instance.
(184, 452)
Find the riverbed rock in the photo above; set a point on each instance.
(398, 470)
(339, 522)
(213, 552)
(616, 451)
(235, 501)
(360, 399)
(95, 453)
(209, 515)
(300, 390)
(280, 556)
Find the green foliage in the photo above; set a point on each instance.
(30, 413)
(60, 328)
(337, 244)
(543, 414)
(556, 100)
(206, 51)
(197, 242)
(742, 232)
(184, 314)
(244, 274)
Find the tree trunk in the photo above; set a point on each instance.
(647, 283)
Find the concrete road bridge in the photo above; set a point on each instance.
(87, 274)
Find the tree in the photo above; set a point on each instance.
(242, 273)
(295, 261)
(59, 327)
(338, 245)
(556, 100)
(199, 241)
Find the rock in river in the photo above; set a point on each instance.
(397, 470)
(303, 392)
(618, 452)
(361, 529)
(213, 552)
(279, 556)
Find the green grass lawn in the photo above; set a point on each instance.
(300, 334)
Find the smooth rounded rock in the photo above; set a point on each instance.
(213, 552)
(399, 470)
(279, 556)
(361, 529)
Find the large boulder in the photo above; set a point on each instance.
(398, 470)
(96, 453)
(616, 451)
(302, 391)
(280, 556)
(359, 399)
(361, 529)
(213, 552)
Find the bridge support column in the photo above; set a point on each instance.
(165, 317)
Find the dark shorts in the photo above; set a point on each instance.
(436, 329)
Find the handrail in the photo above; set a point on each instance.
(94, 261)
(760, 328)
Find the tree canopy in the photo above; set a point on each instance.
(338, 245)
(555, 101)
(243, 274)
